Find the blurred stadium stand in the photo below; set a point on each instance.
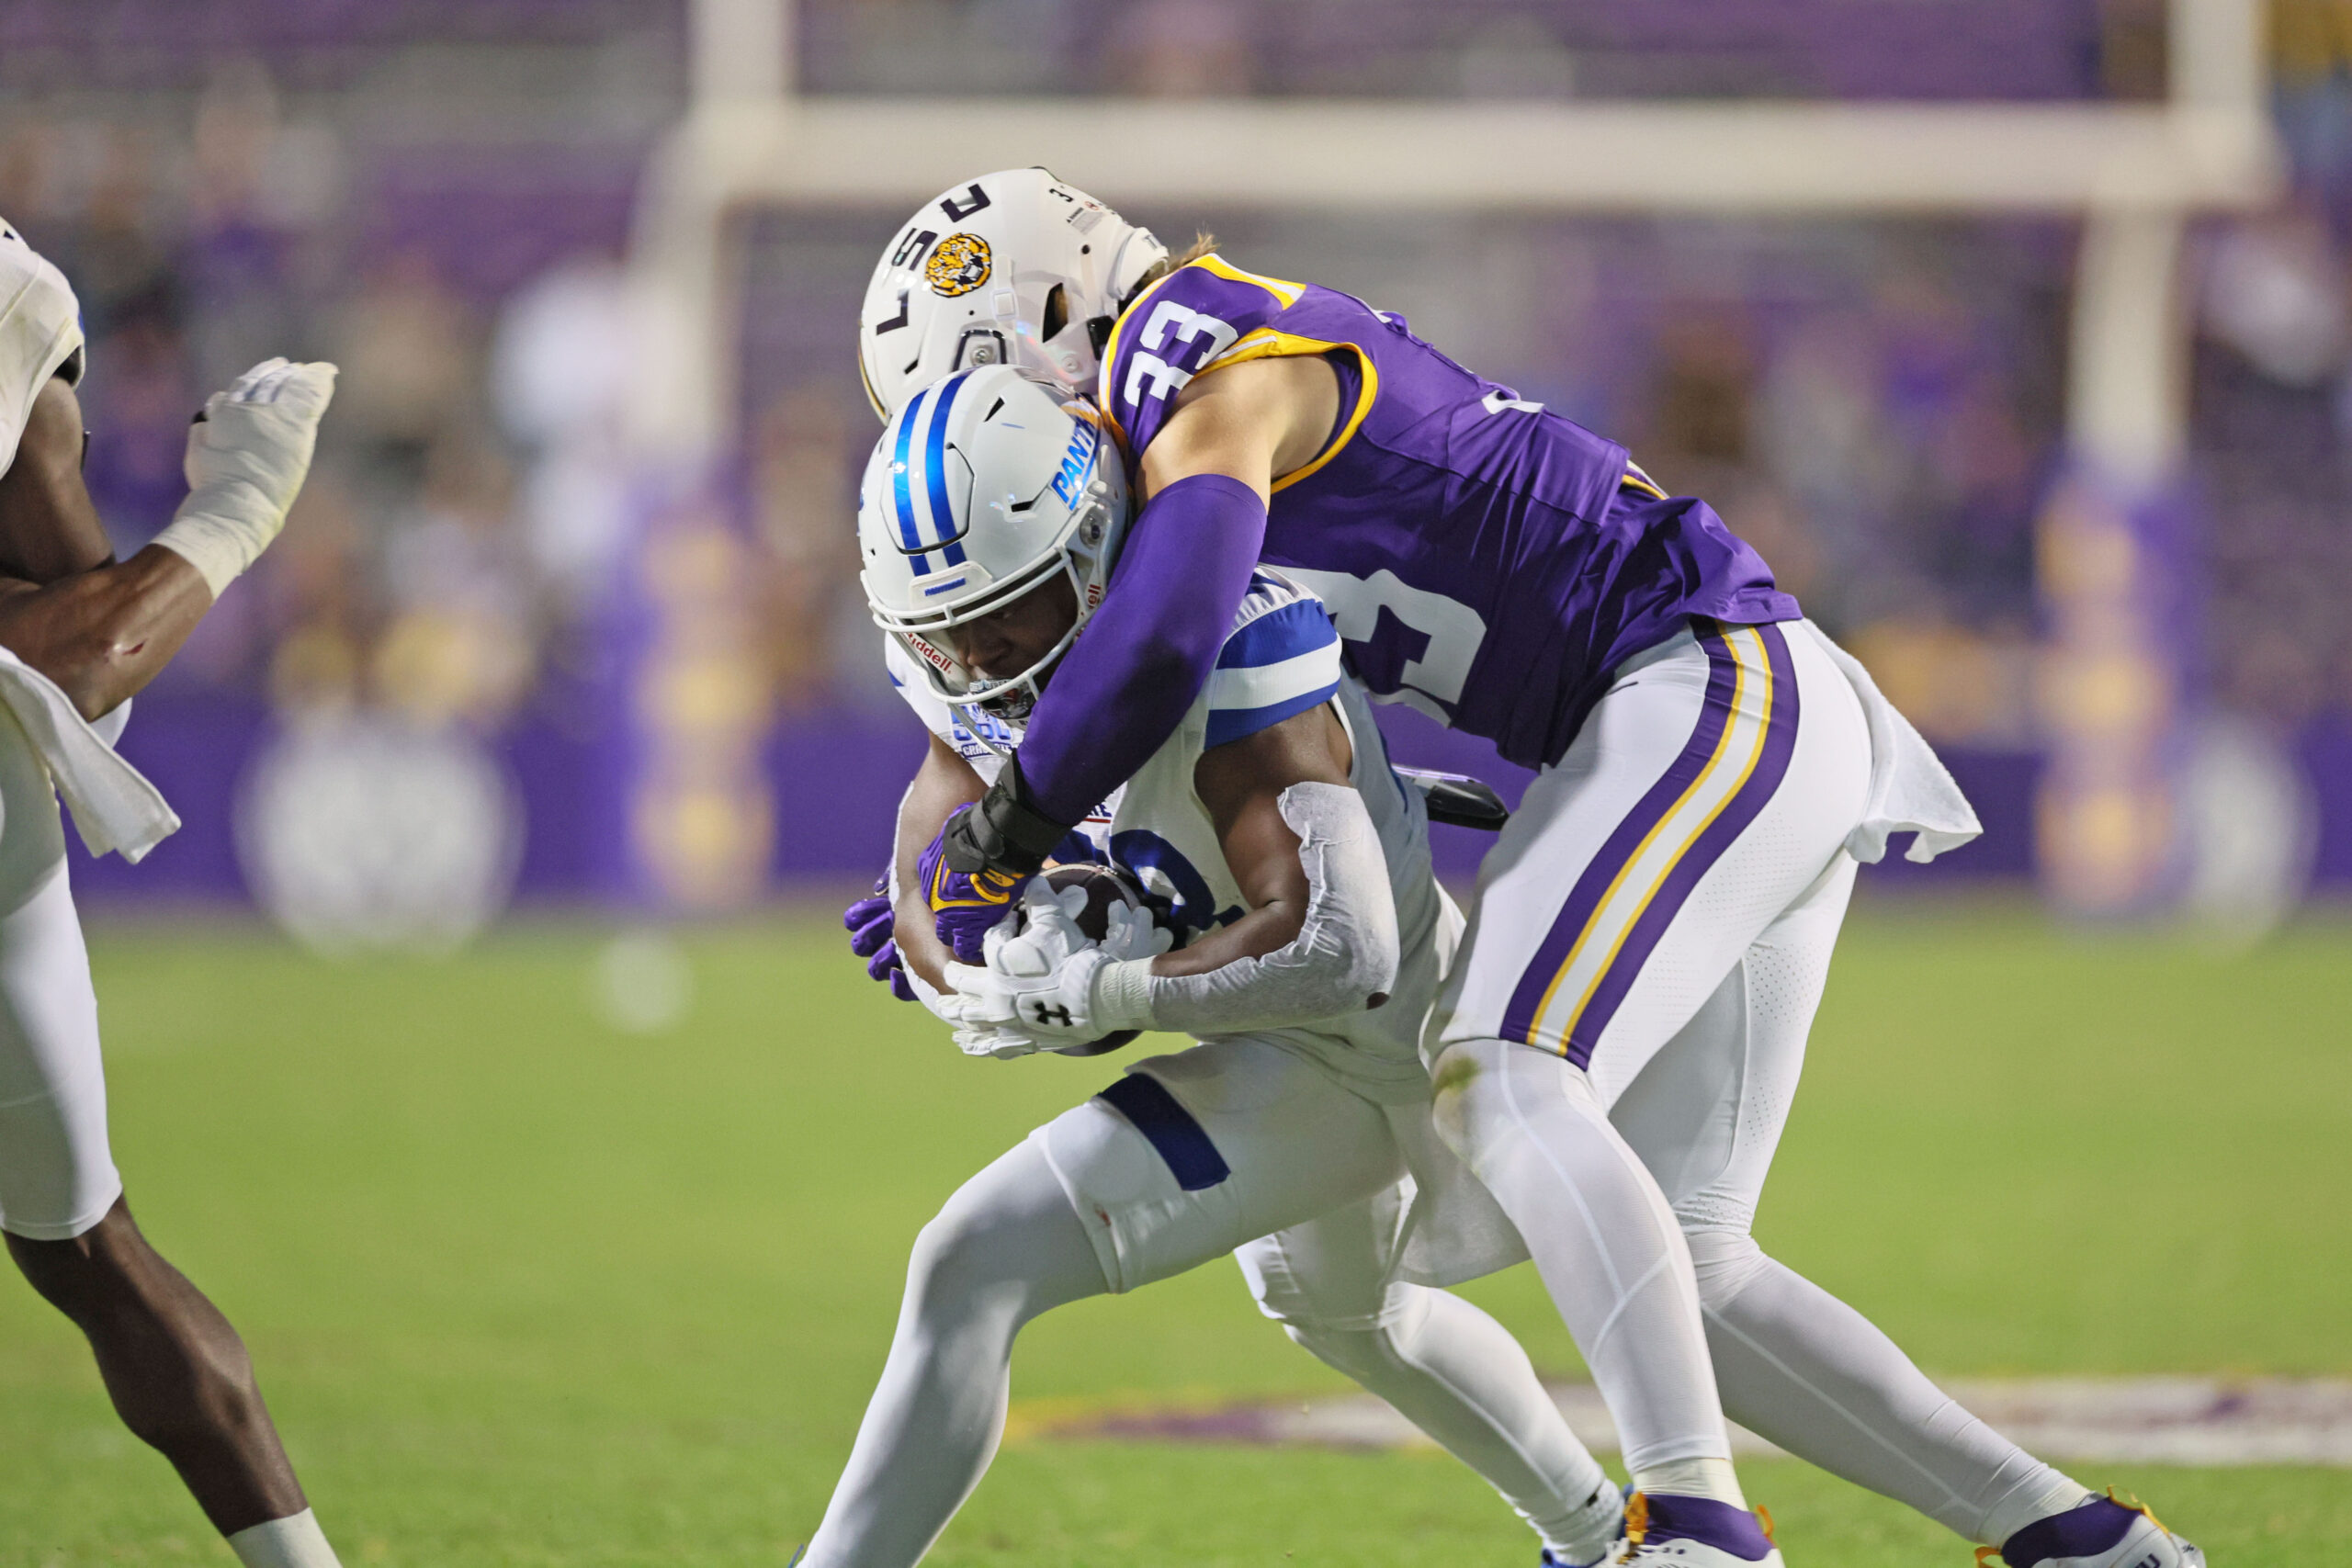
(438, 195)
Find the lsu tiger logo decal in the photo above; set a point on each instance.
(960, 265)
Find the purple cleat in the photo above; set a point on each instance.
(1693, 1532)
(2100, 1533)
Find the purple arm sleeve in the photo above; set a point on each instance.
(1125, 686)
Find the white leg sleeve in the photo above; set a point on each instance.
(57, 1174)
(1005, 1248)
(1795, 1364)
(1802, 1369)
(294, 1542)
(1458, 1375)
(1447, 1367)
(1529, 1126)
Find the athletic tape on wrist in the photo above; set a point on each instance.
(218, 550)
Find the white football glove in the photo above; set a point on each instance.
(248, 453)
(942, 1005)
(1036, 990)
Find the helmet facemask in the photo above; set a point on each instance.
(1009, 698)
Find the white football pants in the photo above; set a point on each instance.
(1170, 1168)
(1619, 1042)
(57, 1175)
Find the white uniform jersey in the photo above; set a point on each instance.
(40, 334)
(1281, 657)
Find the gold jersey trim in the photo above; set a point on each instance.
(1287, 292)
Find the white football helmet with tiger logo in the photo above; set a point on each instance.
(983, 488)
(1015, 268)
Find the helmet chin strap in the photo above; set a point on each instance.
(1011, 702)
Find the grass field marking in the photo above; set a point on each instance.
(2202, 1421)
(1135, 1415)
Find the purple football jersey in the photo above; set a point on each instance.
(1486, 561)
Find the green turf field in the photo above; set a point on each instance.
(524, 1291)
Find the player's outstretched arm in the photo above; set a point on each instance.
(1126, 684)
(102, 630)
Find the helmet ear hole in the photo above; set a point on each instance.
(1057, 313)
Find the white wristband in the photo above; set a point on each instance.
(1123, 995)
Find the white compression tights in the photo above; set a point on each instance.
(1007, 1248)
(1802, 1369)
(1602, 1234)
(1458, 1375)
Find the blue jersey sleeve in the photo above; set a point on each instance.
(1282, 659)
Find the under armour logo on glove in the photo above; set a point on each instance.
(1035, 990)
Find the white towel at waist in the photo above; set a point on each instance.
(115, 808)
(1911, 791)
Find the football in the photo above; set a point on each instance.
(1104, 886)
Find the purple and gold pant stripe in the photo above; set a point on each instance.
(1631, 890)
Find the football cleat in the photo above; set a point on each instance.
(1552, 1558)
(1670, 1531)
(2100, 1533)
(1601, 1519)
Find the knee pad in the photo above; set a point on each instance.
(1359, 1351)
(1727, 1262)
(1009, 1229)
(57, 1174)
(948, 1254)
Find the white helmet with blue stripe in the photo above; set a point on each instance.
(985, 486)
(1015, 268)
